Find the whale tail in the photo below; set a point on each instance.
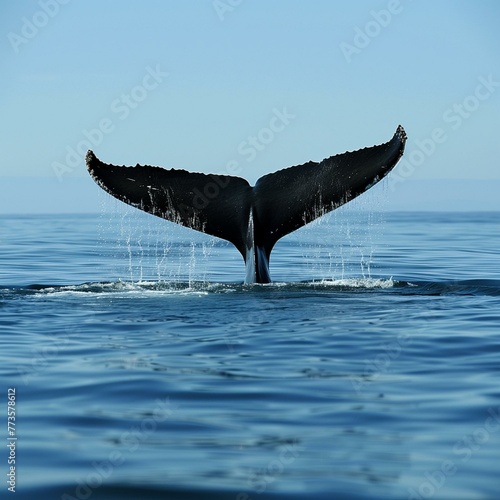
(253, 219)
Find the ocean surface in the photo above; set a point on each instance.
(144, 369)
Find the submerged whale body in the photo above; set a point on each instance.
(254, 218)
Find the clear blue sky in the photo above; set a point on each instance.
(186, 84)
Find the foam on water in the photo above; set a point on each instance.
(368, 283)
(152, 288)
(139, 289)
(146, 288)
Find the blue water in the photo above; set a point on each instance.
(143, 368)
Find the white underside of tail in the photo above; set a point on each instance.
(250, 253)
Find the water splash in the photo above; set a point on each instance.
(148, 248)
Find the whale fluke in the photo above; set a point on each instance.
(253, 219)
